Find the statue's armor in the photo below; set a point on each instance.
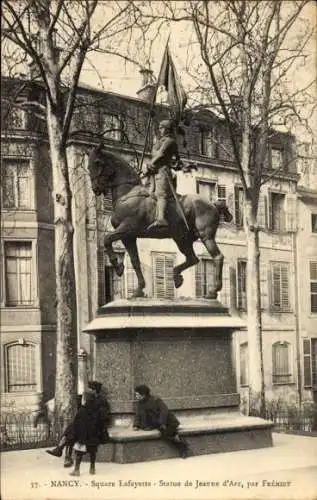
(163, 153)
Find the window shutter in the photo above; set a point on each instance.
(169, 281)
(8, 192)
(264, 285)
(313, 286)
(291, 212)
(233, 287)
(281, 363)
(242, 285)
(307, 363)
(238, 205)
(280, 287)
(231, 201)
(276, 286)
(285, 287)
(270, 212)
(101, 277)
(199, 279)
(244, 364)
(224, 295)
(163, 283)
(131, 278)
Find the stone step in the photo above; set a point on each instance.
(241, 433)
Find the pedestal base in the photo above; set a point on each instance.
(183, 351)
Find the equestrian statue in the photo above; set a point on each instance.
(156, 211)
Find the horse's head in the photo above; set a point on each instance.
(224, 211)
(100, 173)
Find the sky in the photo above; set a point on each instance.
(111, 73)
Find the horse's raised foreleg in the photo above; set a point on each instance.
(132, 249)
(217, 256)
(118, 234)
(186, 247)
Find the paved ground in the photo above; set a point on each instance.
(286, 471)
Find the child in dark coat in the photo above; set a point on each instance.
(87, 428)
(66, 440)
(152, 413)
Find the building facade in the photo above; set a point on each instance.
(28, 314)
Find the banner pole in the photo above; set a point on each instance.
(148, 125)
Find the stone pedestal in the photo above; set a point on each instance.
(183, 351)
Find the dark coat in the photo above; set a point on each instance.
(152, 413)
(105, 417)
(88, 425)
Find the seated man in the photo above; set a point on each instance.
(67, 437)
(152, 413)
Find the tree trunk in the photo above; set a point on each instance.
(66, 334)
(254, 319)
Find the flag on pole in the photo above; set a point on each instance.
(169, 78)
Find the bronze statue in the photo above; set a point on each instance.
(134, 212)
(164, 154)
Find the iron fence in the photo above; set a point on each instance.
(288, 416)
(20, 431)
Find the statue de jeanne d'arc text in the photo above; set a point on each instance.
(156, 211)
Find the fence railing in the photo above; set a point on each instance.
(289, 417)
(22, 431)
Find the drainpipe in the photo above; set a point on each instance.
(297, 323)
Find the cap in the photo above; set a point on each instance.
(142, 389)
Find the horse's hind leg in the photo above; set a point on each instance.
(186, 247)
(217, 256)
(132, 249)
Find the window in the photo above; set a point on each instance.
(208, 143)
(17, 117)
(114, 284)
(310, 362)
(244, 364)
(238, 205)
(206, 190)
(242, 285)
(120, 287)
(314, 223)
(21, 367)
(18, 273)
(107, 202)
(313, 286)
(163, 283)
(112, 127)
(280, 287)
(204, 277)
(277, 212)
(281, 363)
(16, 185)
(222, 197)
(277, 161)
(222, 193)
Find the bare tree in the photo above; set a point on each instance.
(248, 55)
(55, 36)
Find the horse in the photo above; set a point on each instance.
(134, 209)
